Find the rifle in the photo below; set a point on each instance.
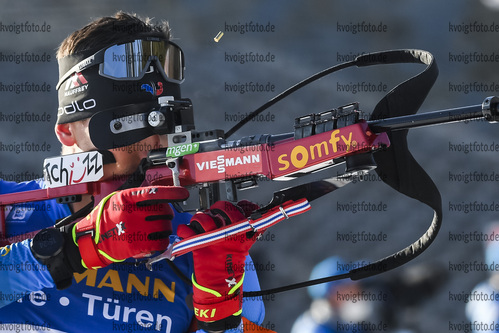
(218, 167)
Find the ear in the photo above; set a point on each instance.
(65, 134)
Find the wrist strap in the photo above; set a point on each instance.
(218, 306)
(230, 306)
(86, 236)
(90, 257)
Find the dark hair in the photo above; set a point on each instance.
(108, 30)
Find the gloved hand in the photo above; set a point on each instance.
(219, 268)
(125, 224)
(129, 223)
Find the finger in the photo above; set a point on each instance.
(202, 222)
(227, 211)
(159, 235)
(157, 212)
(159, 226)
(185, 231)
(173, 193)
(248, 207)
(156, 244)
(152, 195)
(165, 217)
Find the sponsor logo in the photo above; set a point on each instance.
(19, 214)
(73, 169)
(117, 230)
(231, 280)
(181, 150)
(75, 106)
(221, 162)
(75, 84)
(152, 190)
(154, 89)
(300, 156)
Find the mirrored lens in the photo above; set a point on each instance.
(174, 63)
(130, 60)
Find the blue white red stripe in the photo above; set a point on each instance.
(267, 220)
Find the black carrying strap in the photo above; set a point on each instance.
(395, 165)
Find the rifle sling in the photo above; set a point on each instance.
(396, 166)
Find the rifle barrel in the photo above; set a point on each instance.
(427, 119)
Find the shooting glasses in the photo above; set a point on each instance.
(132, 60)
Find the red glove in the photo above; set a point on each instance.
(129, 223)
(219, 269)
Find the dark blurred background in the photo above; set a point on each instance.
(307, 38)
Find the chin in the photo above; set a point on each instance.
(114, 171)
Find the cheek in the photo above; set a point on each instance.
(128, 158)
(82, 136)
(126, 163)
(143, 147)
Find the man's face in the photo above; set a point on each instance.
(127, 158)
